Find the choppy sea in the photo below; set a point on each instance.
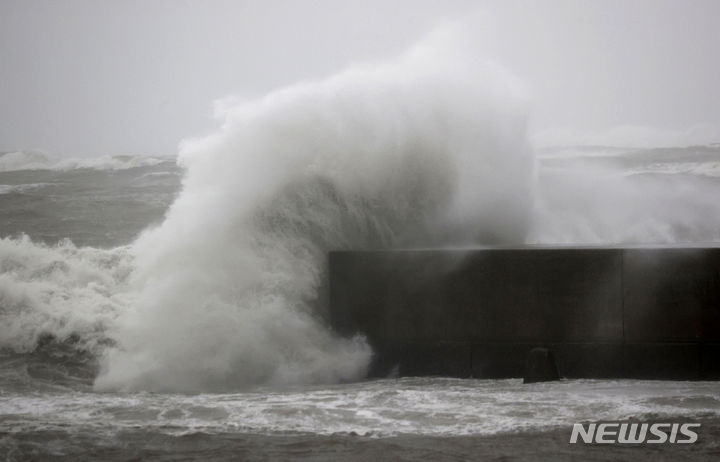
(49, 409)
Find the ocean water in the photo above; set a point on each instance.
(172, 308)
(67, 238)
(99, 207)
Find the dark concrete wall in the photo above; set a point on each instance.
(646, 313)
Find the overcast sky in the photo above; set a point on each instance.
(92, 77)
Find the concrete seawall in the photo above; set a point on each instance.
(605, 312)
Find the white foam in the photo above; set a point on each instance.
(59, 290)
(700, 169)
(20, 188)
(34, 160)
(429, 406)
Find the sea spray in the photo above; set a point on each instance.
(426, 150)
(627, 198)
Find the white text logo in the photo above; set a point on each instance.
(634, 433)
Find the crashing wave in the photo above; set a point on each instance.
(61, 292)
(430, 148)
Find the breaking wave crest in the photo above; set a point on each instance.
(60, 292)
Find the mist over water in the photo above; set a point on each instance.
(628, 196)
(226, 291)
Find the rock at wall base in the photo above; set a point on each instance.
(540, 366)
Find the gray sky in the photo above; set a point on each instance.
(92, 77)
